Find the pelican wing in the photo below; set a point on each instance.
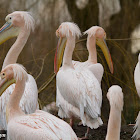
(136, 134)
(66, 110)
(3, 101)
(97, 69)
(82, 90)
(40, 126)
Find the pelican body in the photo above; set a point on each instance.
(36, 126)
(20, 24)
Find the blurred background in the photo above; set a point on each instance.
(119, 18)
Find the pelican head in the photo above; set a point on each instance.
(100, 36)
(11, 74)
(65, 30)
(115, 97)
(14, 23)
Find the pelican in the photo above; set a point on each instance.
(137, 84)
(115, 97)
(37, 126)
(96, 35)
(20, 24)
(80, 88)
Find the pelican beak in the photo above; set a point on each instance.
(8, 31)
(102, 44)
(5, 83)
(59, 53)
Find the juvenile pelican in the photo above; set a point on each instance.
(137, 84)
(79, 88)
(115, 97)
(37, 126)
(19, 24)
(96, 35)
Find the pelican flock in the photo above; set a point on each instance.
(78, 86)
(20, 24)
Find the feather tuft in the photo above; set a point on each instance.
(92, 31)
(115, 97)
(28, 18)
(19, 71)
(67, 27)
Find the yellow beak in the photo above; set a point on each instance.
(102, 44)
(7, 31)
(4, 84)
(59, 54)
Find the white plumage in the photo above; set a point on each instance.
(136, 134)
(137, 84)
(97, 68)
(137, 76)
(40, 126)
(29, 101)
(115, 97)
(82, 90)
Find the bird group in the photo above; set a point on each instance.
(78, 86)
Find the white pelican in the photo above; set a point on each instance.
(18, 23)
(115, 97)
(37, 126)
(95, 35)
(79, 88)
(137, 84)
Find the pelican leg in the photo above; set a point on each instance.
(86, 135)
(71, 121)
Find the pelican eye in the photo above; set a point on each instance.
(10, 18)
(3, 75)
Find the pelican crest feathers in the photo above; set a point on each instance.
(67, 27)
(27, 16)
(115, 97)
(19, 71)
(92, 31)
